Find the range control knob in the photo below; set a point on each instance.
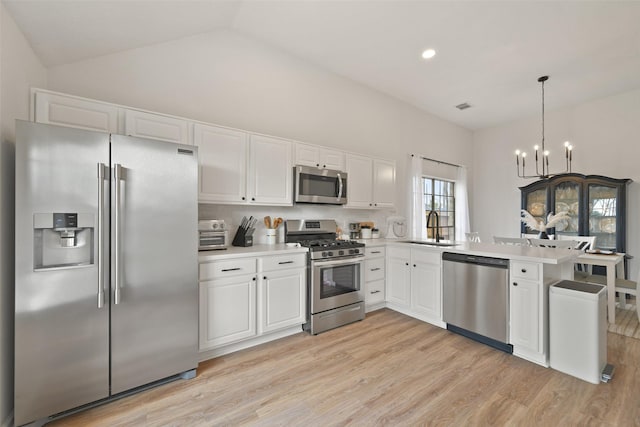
(324, 254)
(330, 253)
(340, 252)
(351, 251)
(356, 251)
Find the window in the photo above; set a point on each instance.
(439, 196)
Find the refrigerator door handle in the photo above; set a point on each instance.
(117, 175)
(101, 235)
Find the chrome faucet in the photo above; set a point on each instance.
(437, 224)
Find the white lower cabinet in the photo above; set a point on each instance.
(282, 295)
(425, 284)
(528, 311)
(399, 277)
(413, 283)
(227, 311)
(374, 273)
(250, 300)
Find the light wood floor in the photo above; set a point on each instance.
(386, 370)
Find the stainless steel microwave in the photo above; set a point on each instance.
(313, 185)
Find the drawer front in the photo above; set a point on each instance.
(374, 252)
(374, 269)
(283, 262)
(227, 268)
(524, 270)
(375, 292)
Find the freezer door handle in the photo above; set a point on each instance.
(101, 177)
(117, 176)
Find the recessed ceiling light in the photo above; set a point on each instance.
(429, 53)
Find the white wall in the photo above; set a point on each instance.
(19, 69)
(233, 80)
(605, 133)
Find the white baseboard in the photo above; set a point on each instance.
(231, 348)
(8, 422)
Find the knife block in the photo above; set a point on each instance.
(243, 237)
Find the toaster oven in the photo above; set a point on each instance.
(213, 235)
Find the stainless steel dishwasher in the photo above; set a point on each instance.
(476, 298)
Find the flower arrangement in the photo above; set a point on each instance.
(538, 224)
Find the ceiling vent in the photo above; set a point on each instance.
(463, 106)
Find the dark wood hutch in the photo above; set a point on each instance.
(597, 206)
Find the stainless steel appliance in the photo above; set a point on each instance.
(106, 296)
(335, 273)
(213, 235)
(313, 185)
(476, 298)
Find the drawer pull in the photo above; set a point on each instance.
(376, 252)
(375, 292)
(285, 262)
(231, 269)
(375, 269)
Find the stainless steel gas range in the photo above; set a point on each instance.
(334, 279)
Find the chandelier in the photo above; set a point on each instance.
(541, 153)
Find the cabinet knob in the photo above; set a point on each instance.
(515, 284)
(414, 265)
(318, 165)
(375, 204)
(406, 263)
(324, 166)
(264, 277)
(253, 199)
(524, 270)
(254, 279)
(244, 198)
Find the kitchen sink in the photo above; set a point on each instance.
(427, 243)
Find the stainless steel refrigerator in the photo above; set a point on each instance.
(106, 266)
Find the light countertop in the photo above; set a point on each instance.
(512, 252)
(255, 250)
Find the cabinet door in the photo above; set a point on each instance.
(425, 289)
(156, 126)
(270, 171)
(75, 112)
(603, 215)
(222, 159)
(227, 311)
(307, 155)
(398, 281)
(359, 181)
(566, 198)
(384, 183)
(282, 296)
(332, 159)
(524, 308)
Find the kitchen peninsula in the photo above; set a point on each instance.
(414, 286)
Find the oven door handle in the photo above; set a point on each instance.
(341, 261)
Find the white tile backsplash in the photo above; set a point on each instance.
(232, 214)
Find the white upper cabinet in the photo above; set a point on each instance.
(384, 183)
(156, 126)
(320, 157)
(75, 112)
(370, 182)
(270, 171)
(239, 168)
(222, 161)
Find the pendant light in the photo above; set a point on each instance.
(541, 153)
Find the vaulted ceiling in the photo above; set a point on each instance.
(489, 54)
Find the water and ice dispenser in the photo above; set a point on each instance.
(63, 240)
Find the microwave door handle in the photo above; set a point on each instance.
(340, 187)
